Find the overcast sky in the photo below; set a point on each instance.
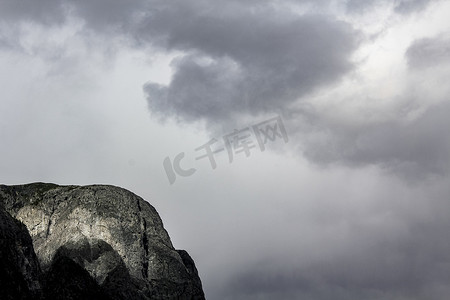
(345, 195)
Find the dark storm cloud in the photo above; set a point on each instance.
(252, 57)
(263, 60)
(242, 61)
(428, 52)
(414, 149)
(240, 57)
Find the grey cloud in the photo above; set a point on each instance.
(359, 6)
(45, 11)
(197, 90)
(410, 6)
(428, 52)
(400, 6)
(407, 258)
(251, 63)
(242, 57)
(414, 150)
(384, 272)
(116, 16)
(246, 62)
(250, 58)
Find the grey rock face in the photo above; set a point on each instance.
(116, 236)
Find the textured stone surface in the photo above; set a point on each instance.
(111, 233)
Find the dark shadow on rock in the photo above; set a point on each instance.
(19, 267)
(121, 286)
(67, 280)
(197, 289)
(98, 255)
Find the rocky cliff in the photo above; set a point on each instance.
(88, 242)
